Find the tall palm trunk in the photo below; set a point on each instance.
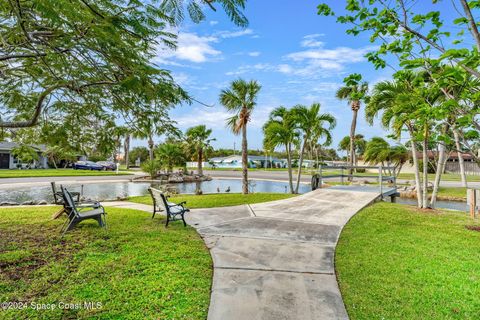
(300, 163)
(244, 159)
(416, 168)
(289, 163)
(150, 147)
(461, 163)
(126, 149)
(199, 163)
(353, 128)
(425, 168)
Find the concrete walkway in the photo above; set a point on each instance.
(275, 260)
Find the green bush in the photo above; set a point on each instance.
(151, 167)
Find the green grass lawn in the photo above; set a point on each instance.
(218, 200)
(395, 262)
(137, 269)
(55, 173)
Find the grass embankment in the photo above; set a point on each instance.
(5, 173)
(396, 262)
(444, 193)
(218, 200)
(137, 269)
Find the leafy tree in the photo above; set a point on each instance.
(138, 153)
(281, 130)
(354, 92)
(74, 57)
(198, 139)
(170, 155)
(241, 99)
(25, 154)
(313, 125)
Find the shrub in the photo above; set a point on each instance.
(151, 167)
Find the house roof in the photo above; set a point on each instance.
(452, 155)
(8, 146)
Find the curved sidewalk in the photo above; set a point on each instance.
(275, 260)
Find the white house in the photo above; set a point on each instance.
(235, 162)
(8, 161)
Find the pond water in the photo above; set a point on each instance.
(451, 205)
(111, 191)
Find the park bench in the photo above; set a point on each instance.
(58, 199)
(173, 211)
(77, 213)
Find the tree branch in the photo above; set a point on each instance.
(472, 23)
(39, 106)
(22, 56)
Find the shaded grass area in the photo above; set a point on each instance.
(218, 200)
(137, 269)
(396, 262)
(5, 173)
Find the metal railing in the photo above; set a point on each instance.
(380, 177)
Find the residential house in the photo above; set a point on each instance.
(8, 161)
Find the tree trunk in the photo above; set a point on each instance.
(126, 149)
(199, 163)
(461, 163)
(289, 163)
(300, 162)
(418, 186)
(425, 169)
(244, 160)
(150, 147)
(442, 159)
(352, 141)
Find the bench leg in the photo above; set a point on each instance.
(183, 219)
(168, 220)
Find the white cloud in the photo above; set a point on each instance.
(310, 41)
(234, 34)
(251, 68)
(315, 61)
(213, 22)
(254, 54)
(190, 47)
(211, 117)
(195, 48)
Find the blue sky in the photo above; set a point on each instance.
(297, 56)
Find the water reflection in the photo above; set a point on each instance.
(110, 191)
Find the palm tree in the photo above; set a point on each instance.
(394, 99)
(170, 155)
(353, 92)
(241, 99)
(380, 151)
(360, 144)
(281, 130)
(197, 138)
(312, 125)
(195, 9)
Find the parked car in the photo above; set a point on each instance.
(107, 165)
(87, 165)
